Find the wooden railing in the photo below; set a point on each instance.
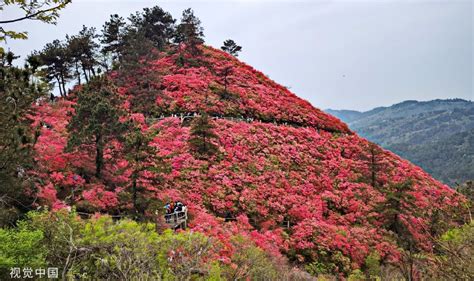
(177, 219)
(190, 115)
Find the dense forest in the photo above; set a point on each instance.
(275, 189)
(436, 135)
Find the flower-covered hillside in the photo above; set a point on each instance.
(293, 179)
(221, 85)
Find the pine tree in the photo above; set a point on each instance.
(190, 32)
(96, 120)
(231, 47)
(17, 137)
(373, 160)
(201, 137)
(141, 157)
(400, 203)
(56, 64)
(375, 165)
(467, 189)
(82, 51)
(112, 37)
(138, 53)
(155, 24)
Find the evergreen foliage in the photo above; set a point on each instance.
(190, 32)
(155, 24)
(112, 35)
(17, 137)
(142, 158)
(231, 47)
(97, 119)
(201, 137)
(56, 64)
(82, 50)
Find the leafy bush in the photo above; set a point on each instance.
(20, 247)
(250, 263)
(123, 250)
(456, 261)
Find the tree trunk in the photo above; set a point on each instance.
(85, 73)
(99, 156)
(93, 71)
(59, 86)
(64, 84)
(78, 74)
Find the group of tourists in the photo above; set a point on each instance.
(175, 210)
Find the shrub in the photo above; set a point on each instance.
(456, 260)
(21, 248)
(123, 250)
(250, 262)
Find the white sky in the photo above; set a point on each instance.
(336, 54)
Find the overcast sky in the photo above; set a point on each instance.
(336, 54)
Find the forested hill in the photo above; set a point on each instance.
(437, 135)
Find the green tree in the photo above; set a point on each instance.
(112, 35)
(155, 24)
(17, 138)
(125, 250)
(251, 263)
(82, 51)
(467, 189)
(373, 156)
(231, 47)
(190, 32)
(61, 230)
(137, 56)
(43, 10)
(96, 119)
(188, 254)
(142, 157)
(201, 137)
(399, 203)
(225, 72)
(56, 64)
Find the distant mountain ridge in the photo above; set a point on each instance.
(437, 135)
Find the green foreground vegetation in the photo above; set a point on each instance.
(103, 249)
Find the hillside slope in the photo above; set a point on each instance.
(434, 135)
(279, 161)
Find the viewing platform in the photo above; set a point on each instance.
(177, 219)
